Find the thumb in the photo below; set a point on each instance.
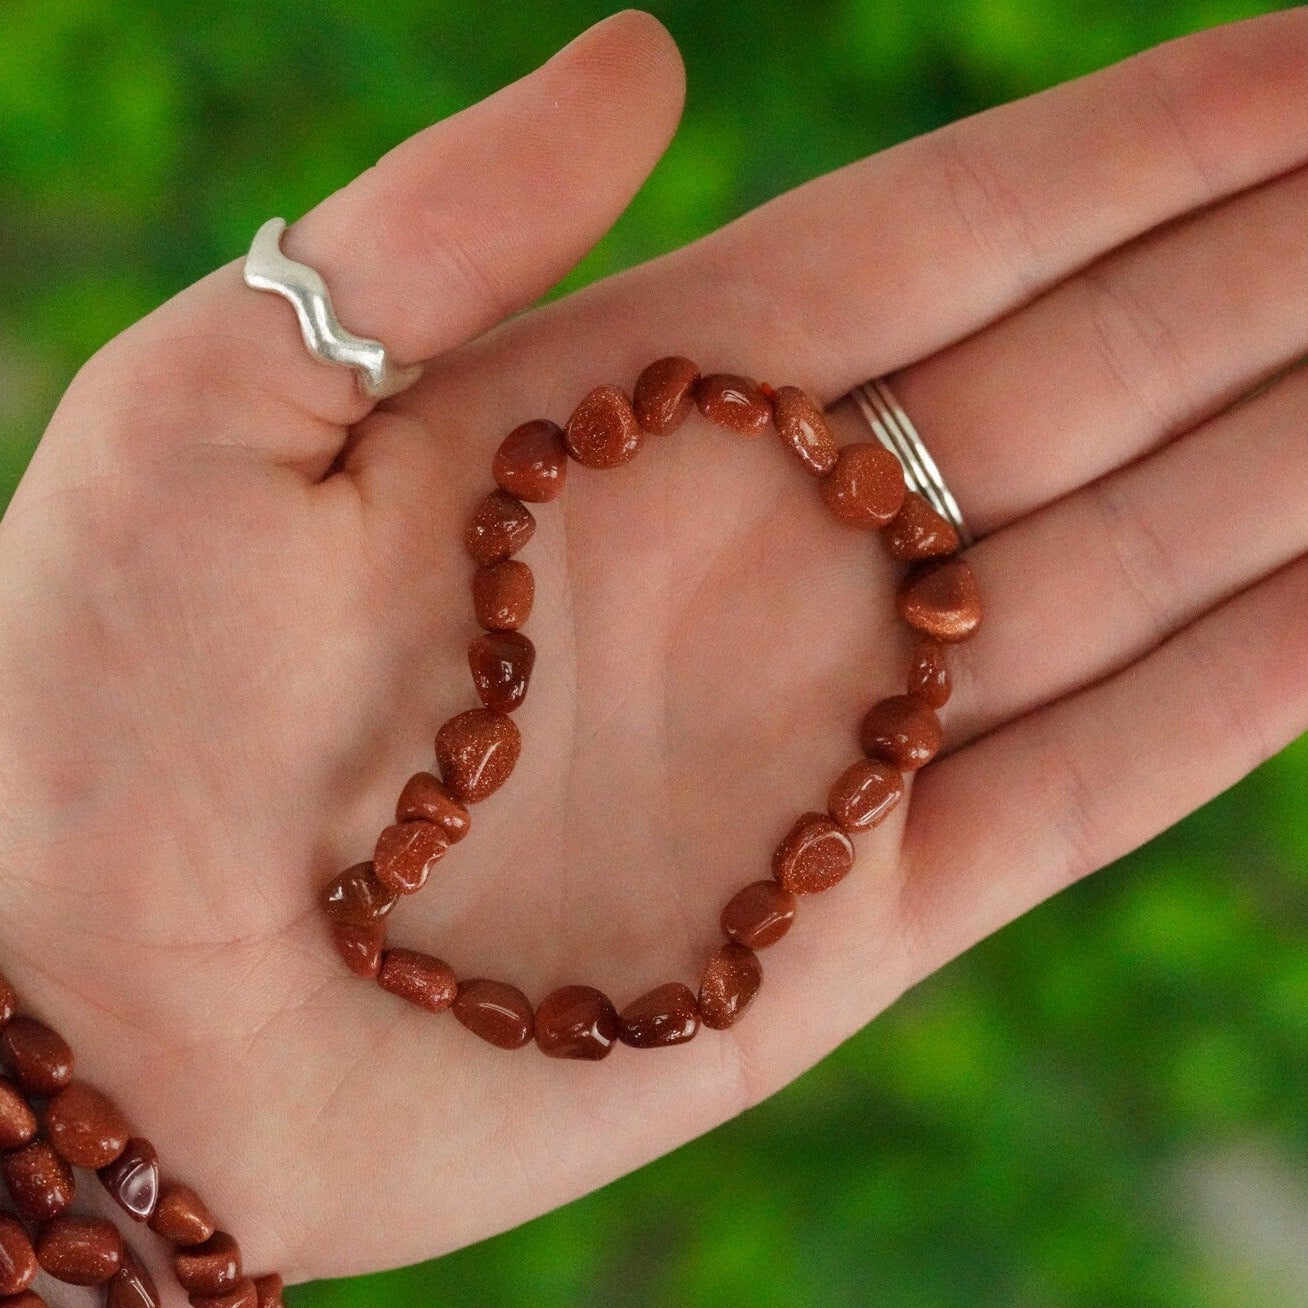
(446, 235)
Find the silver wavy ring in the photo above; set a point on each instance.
(268, 269)
(890, 424)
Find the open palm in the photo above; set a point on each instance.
(236, 609)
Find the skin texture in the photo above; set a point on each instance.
(236, 609)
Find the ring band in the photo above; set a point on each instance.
(885, 415)
(268, 269)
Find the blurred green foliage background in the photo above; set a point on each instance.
(1102, 1105)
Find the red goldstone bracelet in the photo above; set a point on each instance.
(863, 485)
(50, 1124)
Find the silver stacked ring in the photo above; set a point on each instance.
(891, 426)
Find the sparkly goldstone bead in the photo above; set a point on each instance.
(917, 531)
(928, 673)
(942, 598)
(85, 1126)
(476, 751)
(357, 897)
(424, 799)
(407, 853)
(865, 487)
(602, 431)
(38, 1058)
(39, 1182)
(814, 855)
(500, 526)
(864, 794)
(360, 946)
(496, 1011)
(79, 1250)
(576, 1022)
(733, 401)
(501, 664)
(424, 981)
(667, 1015)
(801, 425)
(17, 1257)
(759, 914)
(502, 594)
(532, 461)
(664, 394)
(901, 730)
(211, 1267)
(181, 1216)
(731, 980)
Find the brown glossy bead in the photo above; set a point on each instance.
(407, 853)
(211, 1267)
(759, 914)
(667, 1015)
(496, 1011)
(576, 1022)
(421, 979)
(733, 401)
(532, 461)
(131, 1286)
(39, 1182)
(928, 673)
(269, 1290)
(133, 1179)
(901, 730)
(813, 855)
(8, 1000)
(360, 947)
(357, 897)
(502, 594)
(85, 1126)
(663, 395)
(864, 794)
(17, 1120)
(801, 425)
(602, 431)
(38, 1058)
(28, 1299)
(181, 1216)
(79, 1250)
(731, 980)
(501, 664)
(500, 525)
(917, 531)
(865, 488)
(941, 597)
(244, 1294)
(476, 751)
(424, 799)
(17, 1257)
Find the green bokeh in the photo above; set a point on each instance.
(1044, 1123)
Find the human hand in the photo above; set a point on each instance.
(221, 662)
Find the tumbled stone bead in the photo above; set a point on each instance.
(244, 1294)
(85, 1126)
(500, 525)
(181, 1216)
(360, 947)
(357, 897)
(663, 395)
(759, 914)
(17, 1257)
(38, 1058)
(476, 751)
(211, 1267)
(406, 854)
(901, 730)
(131, 1286)
(269, 1290)
(8, 1000)
(496, 1011)
(424, 799)
(733, 401)
(941, 597)
(813, 855)
(17, 1120)
(421, 979)
(39, 1182)
(79, 1250)
(603, 431)
(532, 461)
(667, 1015)
(917, 531)
(801, 425)
(133, 1179)
(576, 1022)
(731, 980)
(501, 664)
(502, 594)
(865, 487)
(864, 794)
(928, 673)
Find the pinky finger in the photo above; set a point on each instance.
(1064, 790)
